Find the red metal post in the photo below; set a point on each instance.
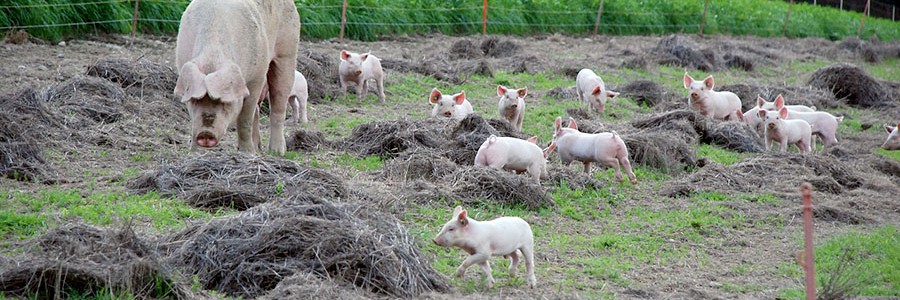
(484, 19)
(806, 191)
(343, 20)
(599, 13)
(862, 20)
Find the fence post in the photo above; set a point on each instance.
(599, 13)
(784, 28)
(841, 7)
(484, 19)
(343, 20)
(809, 264)
(862, 20)
(134, 18)
(703, 20)
(893, 12)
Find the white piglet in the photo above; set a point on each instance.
(591, 90)
(780, 129)
(893, 139)
(454, 106)
(606, 148)
(508, 153)
(297, 98)
(359, 69)
(779, 102)
(509, 237)
(712, 104)
(823, 124)
(512, 105)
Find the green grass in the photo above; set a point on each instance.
(887, 153)
(721, 155)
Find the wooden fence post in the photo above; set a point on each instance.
(134, 18)
(809, 257)
(343, 20)
(484, 19)
(599, 13)
(862, 20)
(788, 17)
(703, 20)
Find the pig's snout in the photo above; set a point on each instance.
(514, 106)
(695, 96)
(358, 72)
(207, 139)
(771, 125)
(448, 114)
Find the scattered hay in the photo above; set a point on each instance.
(828, 213)
(795, 167)
(470, 133)
(310, 286)
(24, 120)
(496, 47)
(732, 135)
(888, 167)
(389, 138)
(465, 49)
(428, 67)
(85, 99)
(321, 72)
(660, 149)
(574, 179)
(793, 95)
(713, 177)
(681, 51)
(499, 187)
(826, 184)
(136, 76)
(850, 82)
(420, 163)
(251, 253)
(644, 92)
(739, 62)
(79, 259)
(636, 62)
(561, 93)
(481, 67)
(237, 180)
(307, 140)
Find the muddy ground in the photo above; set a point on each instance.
(88, 126)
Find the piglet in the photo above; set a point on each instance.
(712, 104)
(784, 131)
(591, 90)
(751, 117)
(509, 237)
(893, 139)
(779, 102)
(360, 68)
(512, 105)
(455, 106)
(513, 154)
(297, 99)
(824, 125)
(606, 148)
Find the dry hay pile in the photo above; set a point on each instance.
(493, 46)
(136, 77)
(809, 96)
(321, 72)
(736, 136)
(660, 149)
(681, 51)
(465, 49)
(796, 168)
(249, 254)
(473, 184)
(26, 122)
(84, 101)
(310, 286)
(646, 92)
(389, 138)
(419, 163)
(78, 259)
(237, 180)
(428, 66)
(574, 178)
(470, 133)
(307, 140)
(872, 51)
(851, 82)
(561, 93)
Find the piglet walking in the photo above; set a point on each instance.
(359, 69)
(509, 237)
(606, 148)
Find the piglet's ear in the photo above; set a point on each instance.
(760, 101)
(572, 123)
(533, 139)
(611, 94)
(783, 113)
(709, 83)
(435, 96)
(523, 92)
(501, 90)
(890, 129)
(364, 56)
(227, 84)
(462, 218)
(740, 115)
(596, 90)
(558, 122)
(190, 83)
(460, 98)
(344, 54)
(762, 113)
(687, 80)
(779, 102)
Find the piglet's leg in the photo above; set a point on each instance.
(486, 269)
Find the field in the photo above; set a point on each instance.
(100, 183)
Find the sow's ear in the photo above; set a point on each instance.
(190, 83)
(227, 84)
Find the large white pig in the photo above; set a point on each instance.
(359, 69)
(784, 131)
(592, 91)
(512, 105)
(823, 124)
(508, 153)
(509, 237)
(454, 106)
(893, 139)
(712, 104)
(606, 148)
(224, 53)
(779, 102)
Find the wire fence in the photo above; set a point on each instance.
(468, 18)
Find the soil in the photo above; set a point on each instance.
(103, 123)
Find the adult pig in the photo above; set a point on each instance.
(606, 148)
(510, 237)
(513, 154)
(225, 52)
(712, 104)
(512, 105)
(591, 90)
(359, 69)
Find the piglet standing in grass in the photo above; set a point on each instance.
(454, 106)
(591, 90)
(780, 129)
(712, 104)
(893, 139)
(751, 117)
(606, 148)
(508, 153)
(509, 237)
(512, 105)
(823, 124)
(297, 99)
(359, 69)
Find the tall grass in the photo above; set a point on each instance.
(370, 19)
